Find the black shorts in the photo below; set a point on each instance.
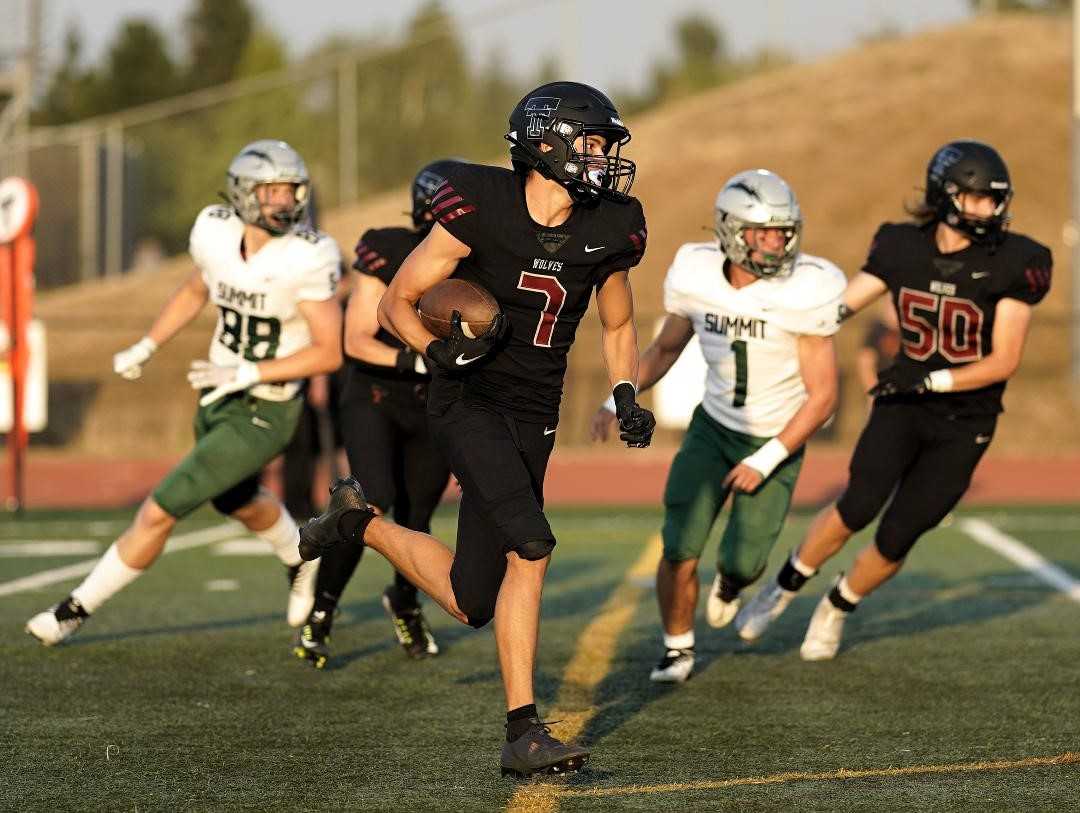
(390, 447)
(500, 462)
(922, 458)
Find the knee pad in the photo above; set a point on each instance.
(535, 549)
(893, 545)
(479, 610)
(236, 497)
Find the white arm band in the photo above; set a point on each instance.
(768, 457)
(940, 381)
(609, 404)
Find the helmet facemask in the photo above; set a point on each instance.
(979, 229)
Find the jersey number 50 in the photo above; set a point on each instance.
(945, 324)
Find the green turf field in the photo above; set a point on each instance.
(956, 683)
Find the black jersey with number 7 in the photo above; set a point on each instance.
(542, 277)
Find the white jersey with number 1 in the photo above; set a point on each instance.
(257, 297)
(749, 336)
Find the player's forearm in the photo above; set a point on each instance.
(182, 307)
(653, 365)
(370, 350)
(311, 360)
(993, 369)
(399, 316)
(812, 415)
(620, 351)
(863, 289)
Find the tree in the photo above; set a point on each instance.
(138, 69)
(68, 96)
(218, 32)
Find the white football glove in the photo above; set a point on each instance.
(128, 363)
(224, 380)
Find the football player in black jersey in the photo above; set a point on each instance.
(963, 287)
(385, 427)
(541, 239)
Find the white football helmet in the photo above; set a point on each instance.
(267, 161)
(758, 198)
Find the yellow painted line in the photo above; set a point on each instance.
(589, 665)
(844, 774)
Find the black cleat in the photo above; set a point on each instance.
(537, 752)
(410, 626)
(345, 515)
(313, 639)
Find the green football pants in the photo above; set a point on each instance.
(695, 494)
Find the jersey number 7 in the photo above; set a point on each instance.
(555, 295)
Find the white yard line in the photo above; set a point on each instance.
(1016, 551)
(193, 539)
(31, 548)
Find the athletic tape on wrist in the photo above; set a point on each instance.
(940, 381)
(768, 457)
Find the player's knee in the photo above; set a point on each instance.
(477, 610)
(235, 499)
(858, 507)
(894, 544)
(534, 550)
(152, 515)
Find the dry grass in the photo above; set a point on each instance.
(851, 133)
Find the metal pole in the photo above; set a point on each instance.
(348, 133)
(89, 206)
(114, 201)
(1072, 234)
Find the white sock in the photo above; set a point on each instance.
(284, 538)
(800, 566)
(684, 640)
(845, 591)
(109, 576)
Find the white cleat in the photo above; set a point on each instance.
(674, 667)
(718, 612)
(822, 640)
(50, 630)
(301, 592)
(760, 611)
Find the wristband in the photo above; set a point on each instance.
(609, 404)
(768, 457)
(940, 381)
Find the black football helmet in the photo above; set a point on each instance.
(425, 185)
(558, 114)
(969, 166)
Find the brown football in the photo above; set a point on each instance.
(477, 307)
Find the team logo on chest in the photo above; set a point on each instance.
(552, 241)
(947, 267)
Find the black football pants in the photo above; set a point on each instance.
(924, 459)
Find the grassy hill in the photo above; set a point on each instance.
(851, 133)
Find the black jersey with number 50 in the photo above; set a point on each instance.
(947, 302)
(542, 277)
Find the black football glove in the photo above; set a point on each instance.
(897, 380)
(457, 351)
(636, 424)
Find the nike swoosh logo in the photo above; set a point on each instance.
(589, 250)
(462, 361)
(981, 439)
(549, 431)
(980, 274)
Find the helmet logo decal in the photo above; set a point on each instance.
(428, 182)
(945, 158)
(538, 113)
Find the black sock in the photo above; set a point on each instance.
(839, 602)
(729, 589)
(789, 578)
(406, 590)
(519, 720)
(336, 568)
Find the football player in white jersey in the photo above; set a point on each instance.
(272, 280)
(764, 314)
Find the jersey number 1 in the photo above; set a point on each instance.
(552, 289)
